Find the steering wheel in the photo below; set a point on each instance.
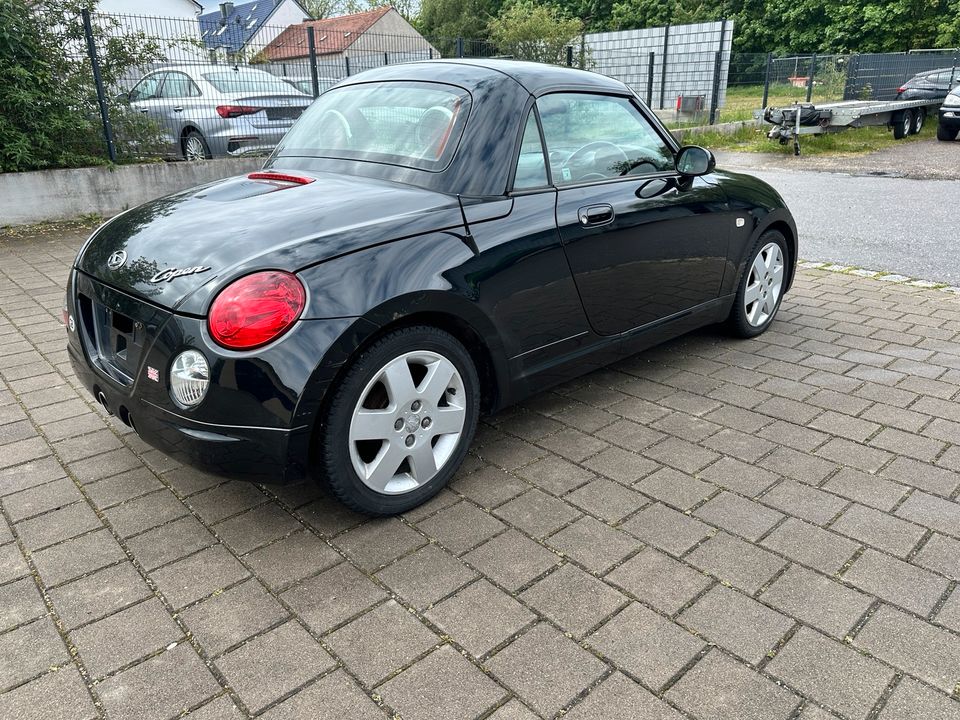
(583, 155)
(645, 164)
(339, 118)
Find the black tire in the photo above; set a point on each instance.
(919, 116)
(737, 322)
(902, 124)
(333, 438)
(946, 134)
(189, 139)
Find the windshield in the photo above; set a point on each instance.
(411, 124)
(232, 81)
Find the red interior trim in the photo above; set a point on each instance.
(446, 135)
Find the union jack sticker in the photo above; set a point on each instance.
(153, 374)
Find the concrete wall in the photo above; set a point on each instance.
(689, 60)
(46, 195)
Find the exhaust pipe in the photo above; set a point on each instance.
(102, 399)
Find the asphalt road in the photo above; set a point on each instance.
(900, 225)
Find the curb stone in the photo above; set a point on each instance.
(881, 275)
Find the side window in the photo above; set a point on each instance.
(598, 137)
(944, 77)
(531, 167)
(178, 85)
(146, 89)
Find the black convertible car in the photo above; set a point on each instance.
(429, 242)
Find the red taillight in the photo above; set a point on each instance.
(256, 309)
(280, 177)
(232, 111)
(901, 88)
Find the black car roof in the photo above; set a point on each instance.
(500, 93)
(536, 78)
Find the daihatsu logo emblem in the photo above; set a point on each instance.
(116, 260)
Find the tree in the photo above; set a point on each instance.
(322, 9)
(528, 30)
(801, 26)
(948, 32)
(457, 18)
(48, 107)
(629, 14)
(595, 14)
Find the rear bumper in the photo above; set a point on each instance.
(238, 136)
(275, 456)
(256, 420)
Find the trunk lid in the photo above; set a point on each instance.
(276, 110)
(165, 250)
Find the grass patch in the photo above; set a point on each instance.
(853, 141)
(742, 100)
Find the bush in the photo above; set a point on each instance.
(527, 30)
(49, 115)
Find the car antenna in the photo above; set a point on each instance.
(468, 238)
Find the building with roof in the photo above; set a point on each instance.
(375, 37)
(171, 24)
(241, 31)
(185, 9)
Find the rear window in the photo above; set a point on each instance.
(233, 82)
(410, 124)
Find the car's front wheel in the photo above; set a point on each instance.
(400, 421)
(761, 286)
(946, 134)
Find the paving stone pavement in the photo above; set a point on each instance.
(727, 529)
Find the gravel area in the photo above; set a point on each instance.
(926, 159)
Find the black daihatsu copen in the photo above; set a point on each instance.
(429, 242)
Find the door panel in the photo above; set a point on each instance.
(180, 97)
(145, 99)
(643, 242)
(656, 257)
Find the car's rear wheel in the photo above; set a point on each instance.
(400, 422)
(946, 134)
(195, 147)
(919, 116)
(761, 287)
(902, 124)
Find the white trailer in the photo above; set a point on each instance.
(905, 117)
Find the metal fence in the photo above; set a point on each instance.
(682, 70)
(192, 88)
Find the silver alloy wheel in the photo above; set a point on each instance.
(193, 149)
(764, 285)
(407, 423)
(907, 122)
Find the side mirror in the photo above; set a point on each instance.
(693, 160)
(123, 98)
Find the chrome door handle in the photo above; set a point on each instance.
(178, 108)
(593, 215)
